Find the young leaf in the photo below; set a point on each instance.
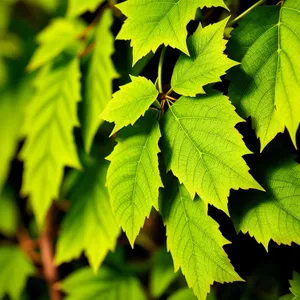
(204, 150)
(78, 7)
(133, 176)
(206, 63)
(15, 268)
(50, 146)
(162, 274)
(276, 214)
(267, 86)
(107, 284)
(92, 219)
(9, 213)
(295, 286)
(99, 79)
(130, 102)
(195, 241)
(183, 294)
(60, 35)
(164, 23)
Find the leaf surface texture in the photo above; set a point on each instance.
(133, 176)
(204, 150)
(195, 242)
(164, 23)
(206, 62)
(267, 86)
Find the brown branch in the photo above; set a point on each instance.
(88, 49)
(28, 245)
(47, 256)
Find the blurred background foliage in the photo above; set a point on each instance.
(147, 269)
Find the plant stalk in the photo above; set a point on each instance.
(234, 21)
(160, 65)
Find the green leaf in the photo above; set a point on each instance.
(267, 86)
(107, 284)
(9, 214)
(50, 145)
(203, 148)
(162, 274)
(11, 115)
(6, 9)
(78, 7)
(48, 5)
(195, 242)
(183, 294)
(92, 219)
(130, 102)
(15, 268)
(133, 176)
(60, 35)
(187, 294)
(295, 286)
(99, 79)
(164, 23)
(206, 62)
(275, 214)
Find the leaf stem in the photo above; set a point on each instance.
(160, 65)
(234, 21)
(170, 91)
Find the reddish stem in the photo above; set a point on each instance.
(47, 256)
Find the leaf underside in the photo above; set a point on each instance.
(267, 85)
(275, 214)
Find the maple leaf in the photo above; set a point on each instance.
(164, 23)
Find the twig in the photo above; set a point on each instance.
(47, 256)
(87, 50)
(234, 21)
(28, 245)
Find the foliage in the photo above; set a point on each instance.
(130, 125)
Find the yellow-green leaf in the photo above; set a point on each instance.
(50, 119)
(275, 214)
(15, 268)
(195, 242)
(61, 34)
(78, 7)
(133, 176)
(130, 102)
(92, 219)
(267, 86)
(99, 79)
(203, 148)
(206, 62)
(163, 23)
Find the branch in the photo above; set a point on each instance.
(47, 256)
